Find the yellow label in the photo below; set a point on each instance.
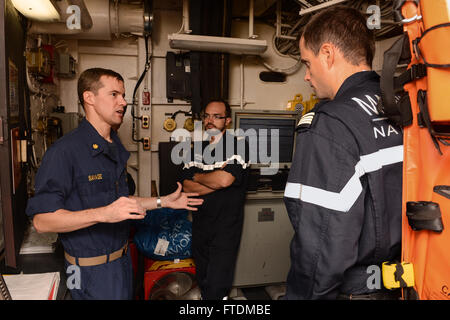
(93, 177)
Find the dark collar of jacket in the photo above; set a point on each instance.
(348, 86)
(356, 79)
(98, 144)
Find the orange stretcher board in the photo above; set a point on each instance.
(424, 167)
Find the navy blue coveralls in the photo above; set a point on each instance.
(81, 171)
(217, 225)
(344, 194)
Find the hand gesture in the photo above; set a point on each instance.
(181, 200)
(122, 209)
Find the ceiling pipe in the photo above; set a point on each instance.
(110, 18)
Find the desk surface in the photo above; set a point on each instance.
(264, 195)
(46, 262)
(41, 263)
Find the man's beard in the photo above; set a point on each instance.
(213, 132)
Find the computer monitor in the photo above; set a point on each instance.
(272, 128)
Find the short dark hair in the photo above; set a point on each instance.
(90, 80)
(226, 104)
(344, 27)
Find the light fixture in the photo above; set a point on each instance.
(217, 44)
(42, 10)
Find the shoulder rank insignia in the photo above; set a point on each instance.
(306, 120)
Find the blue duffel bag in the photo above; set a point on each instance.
(164, 234)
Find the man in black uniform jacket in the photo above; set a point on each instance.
(219, 174)
(344, 191)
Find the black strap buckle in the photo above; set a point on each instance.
(399, 271)
(424, 215)
(417, 71)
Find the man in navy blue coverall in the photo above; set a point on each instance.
(222, 183)
(82, 193)
(344, 190)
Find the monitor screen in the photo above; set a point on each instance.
(273, 129)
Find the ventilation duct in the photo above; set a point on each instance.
(100, 19)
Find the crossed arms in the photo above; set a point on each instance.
(205, 183)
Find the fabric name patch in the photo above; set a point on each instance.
(93, 177)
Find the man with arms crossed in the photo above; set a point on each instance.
(222, 181)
